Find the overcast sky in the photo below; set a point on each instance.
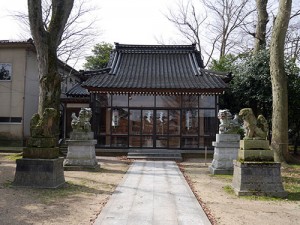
(123, 21)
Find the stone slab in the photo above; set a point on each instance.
(254, 144)
(42, 142)
(40, 153)
(81, 135)
(82, 168)
(81, 142)
(216, 171)
(256, 155)
(222, 164)
(226, 144)
(39, 173)
(228, 137)
(220, 153)
(254, 178)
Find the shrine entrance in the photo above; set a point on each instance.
(154, 128)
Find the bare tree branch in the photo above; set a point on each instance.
(230, 16)
(188, 21)
(221, 20)
(78, 34)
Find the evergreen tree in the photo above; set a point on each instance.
(100, 58)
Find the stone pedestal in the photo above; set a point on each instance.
(257, 178)
(226, 150)
(39, 173)
(42, 142)
(255, 151)
(76, 135)
(256, 155)
(41, 153)
(254, 144)
(255, 172)
(81, 155)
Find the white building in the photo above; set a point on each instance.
(19, 89)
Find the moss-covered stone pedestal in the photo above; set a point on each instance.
(255, 172)
(40, 167)
(257, 178)
(81, 155)
(39, 173)
(226, 150)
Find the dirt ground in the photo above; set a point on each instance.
(226, 208)
(85, 193)
(78, 202)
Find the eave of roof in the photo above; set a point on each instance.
(78, 91)
(17, 44)
(75, 100)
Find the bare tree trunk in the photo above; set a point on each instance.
(223, 45)
(279, 83)
(46, 42)
(261, 26)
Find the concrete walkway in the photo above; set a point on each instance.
(153, 193)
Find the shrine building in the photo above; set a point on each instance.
(154, 97)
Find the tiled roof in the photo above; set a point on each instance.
(156, 68)
(84, 75)
(77, 91)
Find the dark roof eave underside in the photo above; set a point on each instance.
(145, 91)
(75, 100)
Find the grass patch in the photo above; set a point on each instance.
(222, 176)
(14, 157)
(7, 184)
(228, 189)
(291, 181)
(262, 198)
(295, 166)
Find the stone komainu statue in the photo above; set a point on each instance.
(227, 124)
(42, 126)
(82, 122)
(254, 128)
